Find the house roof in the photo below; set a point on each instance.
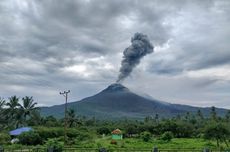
(117, 131)
(19, 131)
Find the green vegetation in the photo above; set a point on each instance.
(167, 136)
(189, 131)
(146, 136)
(54, 144)
(30, 138)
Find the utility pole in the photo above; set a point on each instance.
(65, 94)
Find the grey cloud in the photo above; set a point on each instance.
(54, 34)
(201, 45)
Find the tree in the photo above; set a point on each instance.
(187, 116)
(146, 136)
(227, 116)
(200, 115)
(2, 115)
(28, 107)
(12, 112)
(218, 132)
(167, 136)
(35, 119)
(147, 119)
(213, 113)
(2, 103)
(130, 130)
(50, 121)
(71, 117)
(12, 105)
(156, 118)
(200, 119)
(103, 130)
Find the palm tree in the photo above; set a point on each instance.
(213, 113)
(28, 107)
(12, 111)
(2, 103)
(2, 116)
(71, 117)
(12, 106)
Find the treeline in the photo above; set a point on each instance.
(15, 113)
(190, 125)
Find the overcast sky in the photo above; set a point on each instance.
(48, 46)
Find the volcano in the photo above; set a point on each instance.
(117, 102)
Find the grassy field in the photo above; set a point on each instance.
(133, 143)
(176, 143)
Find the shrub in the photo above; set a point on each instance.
(75, 135)
(53, 132)
(30, 138)
(146, 136)
(103, 130)
(83, 136)
(167, 136)
(54, 145)
(4, 138)
(58, 132)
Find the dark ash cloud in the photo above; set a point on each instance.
(132, 55)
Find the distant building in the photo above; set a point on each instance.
(117, 134)
(19, 131)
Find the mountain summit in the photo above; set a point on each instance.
(117, 101)
(115, 87)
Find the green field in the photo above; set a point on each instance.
(135, 143)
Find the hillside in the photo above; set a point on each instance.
(117, 101)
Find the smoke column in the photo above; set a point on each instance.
(132, 55)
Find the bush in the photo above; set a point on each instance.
(75, 136)
(167, 136)
(146, 136)
(4, 138)
(58, 132)
(54, 145)
(103, 130)
(30, 138)
(53, 132)
(83, 136)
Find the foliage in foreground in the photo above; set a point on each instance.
(4, 138)
(30, 138)
(90, 132)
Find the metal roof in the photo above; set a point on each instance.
(19, 131)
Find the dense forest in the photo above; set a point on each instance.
(16, 112)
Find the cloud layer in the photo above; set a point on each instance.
(48, 46)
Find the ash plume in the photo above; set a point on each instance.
(132, 55)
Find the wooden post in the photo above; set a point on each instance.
(206, 150)
(65, 94)
(155, 149)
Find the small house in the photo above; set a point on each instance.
(117, 134)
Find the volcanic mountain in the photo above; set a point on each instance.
(117, 101)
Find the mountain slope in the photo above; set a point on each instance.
(117, 101)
